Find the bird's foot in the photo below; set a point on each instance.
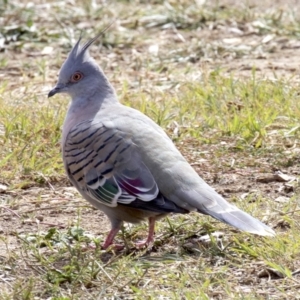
(145, 243)
(116, 247)
(109, 240)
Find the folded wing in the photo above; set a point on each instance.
(104, 163)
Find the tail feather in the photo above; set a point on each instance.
(207, 201)
(243, 221)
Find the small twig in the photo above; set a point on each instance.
(132, 279)
(11, 211)
(54, 225)
(180, 37)
(47, 180)
(112, 260)
(296, 272)
(52, 207)
(124, 239)
(139, 280)
(286, 213)
(103, 270)
(5, 281)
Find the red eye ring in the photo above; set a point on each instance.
(76, 77)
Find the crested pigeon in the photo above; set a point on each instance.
(123, 163)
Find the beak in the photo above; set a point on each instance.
(59, 88)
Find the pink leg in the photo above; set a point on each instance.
(150, 238)
(110, 238)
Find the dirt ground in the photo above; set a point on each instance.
(272, 56)
(236, 48)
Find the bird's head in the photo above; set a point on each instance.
(80, 75)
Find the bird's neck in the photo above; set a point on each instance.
(86, 107)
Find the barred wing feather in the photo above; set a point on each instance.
(105, 163)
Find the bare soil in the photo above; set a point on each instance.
(240, 49)
(270, 55)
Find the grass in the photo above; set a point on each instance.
(168, 60)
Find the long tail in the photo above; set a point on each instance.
(241, 220)
(207, 201)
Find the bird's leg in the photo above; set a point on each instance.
(110, 238)
(150, 238)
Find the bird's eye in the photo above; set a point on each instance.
(76, 77)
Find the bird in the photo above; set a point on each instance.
(123, 163)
